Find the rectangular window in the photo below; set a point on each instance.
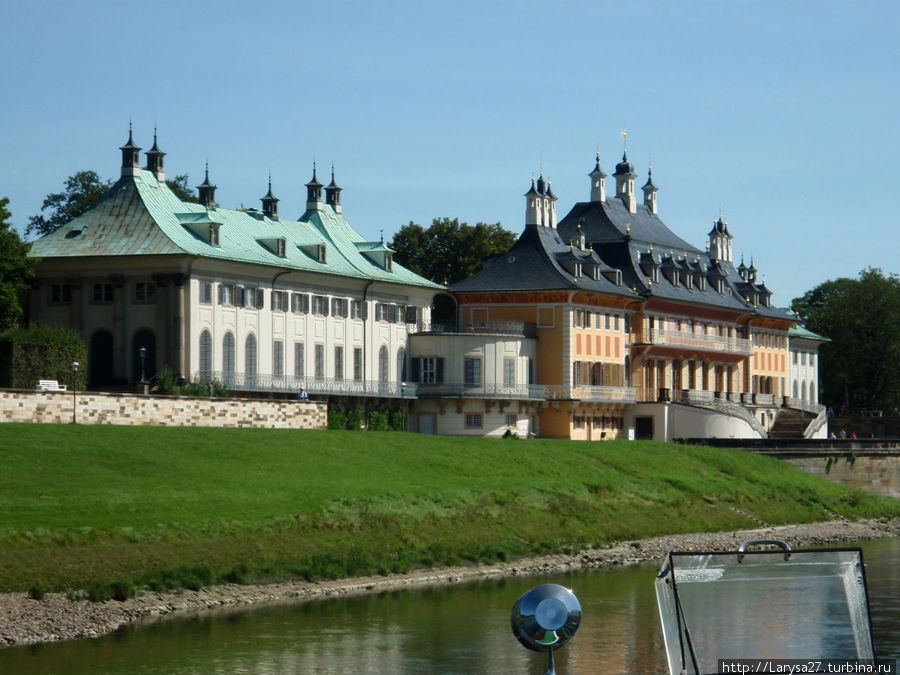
(428, 369)
(381, 311)
(278, 358)
(320, 361)
(473, 421)
(260, 298)
(509, 372)
(103, 293)
(300, 303)
(356, 309)
(577, 421)
(277, 301)
(578, 318)
(339, 307)
(318, 305)
(60, 294)
(357, 363)
(249, 297)
(511, 420)
(616, 317)
(472, 368)
(206, 292)
(393, 313)
(338, 362)
(144, 291)
(576, 373)
(607, 317)
(299, 370)
(226, 294)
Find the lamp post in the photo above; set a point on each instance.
(74, 388)
(143, 352)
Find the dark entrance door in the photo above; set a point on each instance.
(143, 338)
(643, 427)
(101, 359)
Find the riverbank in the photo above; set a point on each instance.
(25, 622)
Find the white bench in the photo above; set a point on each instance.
(50, 385)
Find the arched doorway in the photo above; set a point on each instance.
(143, 338)
(100, 354)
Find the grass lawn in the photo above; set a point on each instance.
(86, 503)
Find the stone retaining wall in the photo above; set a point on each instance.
(879, 474)
(177, 411)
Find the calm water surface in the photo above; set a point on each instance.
(461, 629)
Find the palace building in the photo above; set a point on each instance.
(637, 332)
(258, 301)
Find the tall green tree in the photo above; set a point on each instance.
(82, 190)
(449, 251)
(16, 269)
(860, 367)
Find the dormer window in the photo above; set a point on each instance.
(214, 234)
(282, 247)
(321, 253)
(577, 270)
(389, 262)
(689, 281)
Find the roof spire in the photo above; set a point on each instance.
(333, 193)
(314, 192)
(131, 160)
(155, 160)
(270, 202)
(206, 191)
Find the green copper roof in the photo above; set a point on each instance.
(798, 331)
(140, 216)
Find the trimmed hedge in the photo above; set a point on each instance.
(41, 353)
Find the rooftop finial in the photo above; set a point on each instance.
(382, 235)
(624, 136)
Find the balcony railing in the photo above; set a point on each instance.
(456, 390)
(518, 328)
(591, 393)
(708, 343)
(312, 385)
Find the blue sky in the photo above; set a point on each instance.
(780, 115)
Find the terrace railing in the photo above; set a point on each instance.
(708, 343)
(502, 391)
(329, 386)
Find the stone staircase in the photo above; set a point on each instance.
(790, 423)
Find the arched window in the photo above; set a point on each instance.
(796, 394)
(803, 390)
(401, 364)
(383, 369)
(250, 359)
(228, 357)
(205, 355)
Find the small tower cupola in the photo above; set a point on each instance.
(333, 194)
(314, 193)
(751, 272)
(650, 191)
(533, 209)
(206, 191)
(155, 160)
(551, 208)
(720, 241)
(742, 269)
(598, 182)
(625, 176)
(131, 157)
(270, 203)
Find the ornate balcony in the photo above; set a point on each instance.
(708, 343)
(593, 393)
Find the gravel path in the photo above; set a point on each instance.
(24, 621)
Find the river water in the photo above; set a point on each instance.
(457, 629)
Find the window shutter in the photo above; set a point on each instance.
(412, 314)
(260, 298)
(365, 311)
(326, 306)
(238, 296)
(221, 294)
(439, 371)
(304, 303)
(415, 367)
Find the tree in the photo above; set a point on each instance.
(449, 251)
(860, 367)
(16, 270)
(179, 185)
(83, 190)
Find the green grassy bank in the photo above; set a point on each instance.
(147, 504)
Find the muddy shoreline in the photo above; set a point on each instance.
(26, 622)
